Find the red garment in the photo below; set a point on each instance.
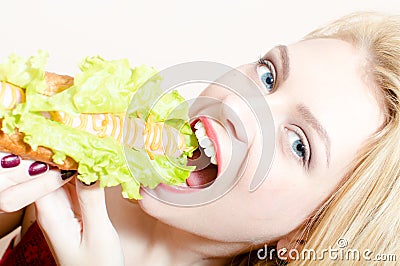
(31, 250)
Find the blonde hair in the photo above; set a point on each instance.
(364, 211)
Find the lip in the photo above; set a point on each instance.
(177, 188)
(161, 188)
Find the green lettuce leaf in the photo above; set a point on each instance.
(99, 158)
(162, 169)
(102, 87)
(150, 99)
(25, 72)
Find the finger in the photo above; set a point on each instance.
(92, 240)
(20, 195)
(13, 168)
(94, 211)
(96, 222)
(25, 171)
(57, 218)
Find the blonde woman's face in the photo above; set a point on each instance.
(323, 110)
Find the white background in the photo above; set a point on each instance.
(163, 33)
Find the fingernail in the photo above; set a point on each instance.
(91, 183)
(10, 161)
(65, 174)
(37, 168)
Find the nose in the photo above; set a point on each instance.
(239, 118)
(245, 106)
(249, 117)
(250, 121)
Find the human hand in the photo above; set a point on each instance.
(75, 222)
(24, 181)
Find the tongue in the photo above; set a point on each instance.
(205, 175)
(202, 177)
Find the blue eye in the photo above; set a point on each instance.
(297, 144)
(266, 73)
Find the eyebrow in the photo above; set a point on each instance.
(303, 110)
(284, 58)
(308, 117)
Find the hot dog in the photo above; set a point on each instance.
(86, 123)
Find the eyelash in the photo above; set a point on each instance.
(268, 64)
(304, 161)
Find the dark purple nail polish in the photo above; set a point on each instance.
(10, 161)
(65, 174)
(91, 183)
(37, 168)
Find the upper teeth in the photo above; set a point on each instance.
(205, 142)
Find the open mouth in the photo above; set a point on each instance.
(205, 158)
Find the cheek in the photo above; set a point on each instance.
(288, 197)
(282, 208)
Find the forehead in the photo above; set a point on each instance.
(332, 69)
(328, 75)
